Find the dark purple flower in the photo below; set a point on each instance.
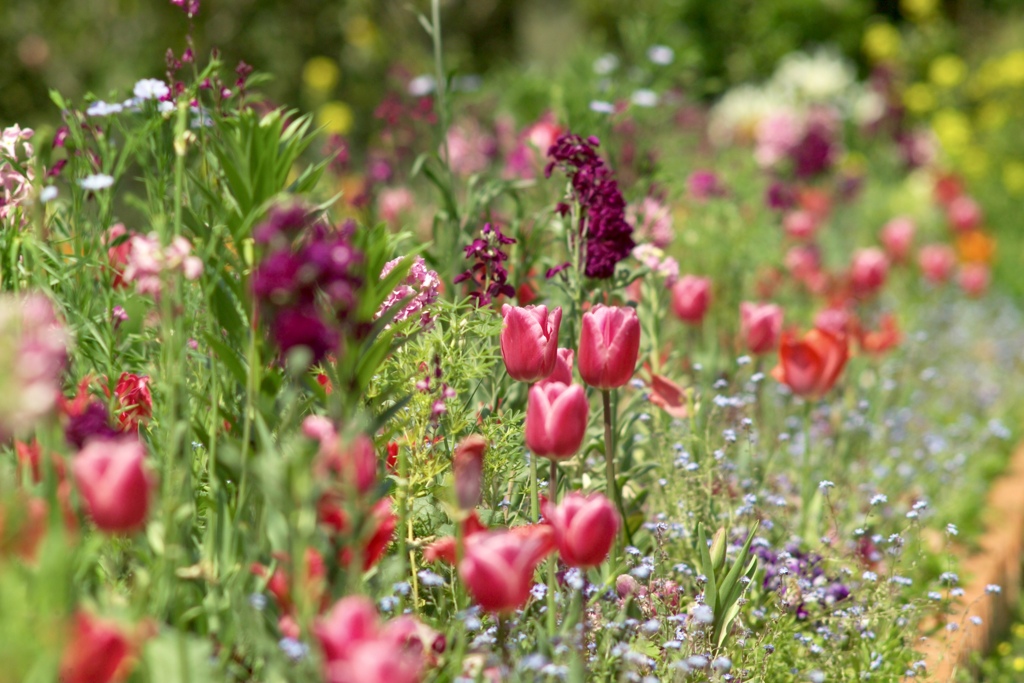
(282, 223)
(780, 196)
(489, 277)
(303, 327)
(607, 237)
(814, 153)
(92, 423)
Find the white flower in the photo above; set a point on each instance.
(645, 98)
(151, 89)
(48, 193)
(96, 181)
(661, 55)
(602, 107)
(421, 85)
(605, 64)
(101, 108)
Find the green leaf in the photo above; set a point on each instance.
(710, 590)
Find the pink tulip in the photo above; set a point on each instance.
(800, 224)
(937, 262)
(609, 346)
(803, 261)
(897, 236)
(529, 341)
(498, 567)
(563, 367)
(354, 462)
(556, 419)
(974, 279)
(868, 271)
(690, 298)
(964, 214)
(114, 484)
(760, 326)
(357, 650)
(585, 528)
(468, 466)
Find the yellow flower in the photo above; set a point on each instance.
(1013, 180)
(1013, 68)
(1004, 649)
(1018, 630)
(1018, 664)
(321, 74)
(974, 162)
(881, 42)
(335, 117)
(919, 10)
(947, 71)
(360, 32)
(952, 128)
(919, 98)
(992, 115)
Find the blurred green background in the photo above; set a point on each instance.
(104, 46)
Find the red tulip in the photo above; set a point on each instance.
(112, 479)
(690, 298)
(97, 653)
(563, 367)
(897, 236)
(468, 466)
(117, 256)
(443, 549)
(810, 366)
(136, 402)
(669, 396)
(868, 270)
(585, 528)
(760, 326)
(355, 462)
(498, 567)
(974, 278)
(529, 341)
(609, 346)
(377, 534)
(556, 419)
(937, 262)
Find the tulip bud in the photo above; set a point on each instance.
(609, 346)
(868, 270)
(529, 341)
(468, 465)
(897, 236)
(937, 262)
(556, 419)
(113, 482)
(690, 298)
(98, 652)
(760, 326)
(800, 225)
(974, 279)
(626, 586)
(718, 550)
(585, 528)
(964, 214)
(498, 566)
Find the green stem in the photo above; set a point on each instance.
(553, 561)
(609, 462)
(534, 495)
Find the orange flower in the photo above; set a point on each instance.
(975, 247)
(810, 365)
(884, 338)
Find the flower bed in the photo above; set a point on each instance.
(624, 390)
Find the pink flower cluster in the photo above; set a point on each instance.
(32, 357)
(421, 284)
(653, 221)
(15, 183)
(147, 260)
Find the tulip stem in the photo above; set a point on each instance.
(506, 656)
(553, 561)
(534, 496)
(609, 461)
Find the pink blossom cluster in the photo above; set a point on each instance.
(15, 178)
(32, 356)
(421, 284)
(653, 221)
(660, 263)
(471, 148)
(147, 260)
